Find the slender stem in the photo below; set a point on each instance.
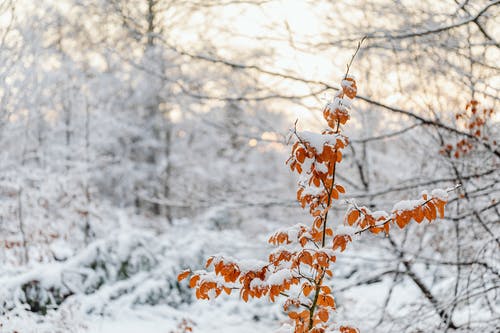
(354, 55)
(323, 240)
(329, 191)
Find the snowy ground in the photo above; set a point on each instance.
(125, 281)
(111, 298)
(142, 296)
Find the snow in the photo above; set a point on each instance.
(165, 320)
(440, 194)
(292, 231)
(312, 190)
(321, 167)
(380, 214)
(318, 140)
(346, 83)
(274, 278)
(278, 277)
(406, 205)
(247, 265)
(123, 164)
(344, 230)
(342, 104)
(411, 204)
(61, 250)
(122, 302)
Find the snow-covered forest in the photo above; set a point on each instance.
(140, 137)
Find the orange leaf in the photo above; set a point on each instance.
(340, 188)
(326, 300)
(299, 168)
(323, 315)
(193, 281)
(244, 295)
(418, 214)
(183, 275)
(386, 228)
(440, 206)
(351, 89)
(299, 193)
(352, 217)
(301, 155)
(306, 258)
(315, 181)
(339, 156)
(326, 289)
(400, 221)
(347, 329)
(209, 261)
(307, 289)
(340, 241)
(304, 314)
(432, 209)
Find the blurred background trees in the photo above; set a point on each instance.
(149, 114)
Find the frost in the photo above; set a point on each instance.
(343, 104)
(317, 140)
(247, 265)
(321, 167)
(293, 231)
(344, 230)
(440, 194)
(312, 190)
(347, 83)
(127, 159)
(380, 214)
(273, 278)
(406, 205)
(285, 328)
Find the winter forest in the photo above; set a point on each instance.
(294, 166)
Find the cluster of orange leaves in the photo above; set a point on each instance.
(304, 254)
(475, 121)
(339, 114)
(427, 208)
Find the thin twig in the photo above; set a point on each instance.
(353, 56)
(392, 218)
